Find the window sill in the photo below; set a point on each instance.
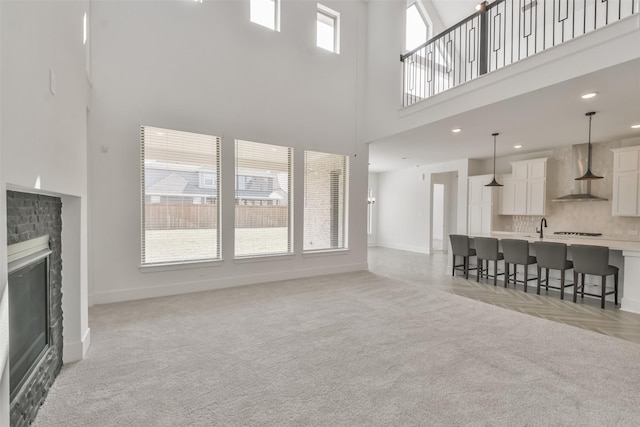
(263, 258)
(325, 252)
(187, 265)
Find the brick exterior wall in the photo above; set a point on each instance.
(30, 216)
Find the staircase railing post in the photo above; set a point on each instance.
(484, 38)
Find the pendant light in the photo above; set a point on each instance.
(588, 175)
(494, 183)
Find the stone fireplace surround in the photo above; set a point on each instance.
(30, 216)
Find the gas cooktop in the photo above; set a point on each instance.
(577, 233)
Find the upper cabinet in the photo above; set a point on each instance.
(626, 181)
(524, 191)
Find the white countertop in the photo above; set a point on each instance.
(614, 244)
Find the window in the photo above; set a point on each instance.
(179, 216)
(263, 199)
(325, 201)
(417, 26)
(207, 179)
(328, 29)
(265, 13)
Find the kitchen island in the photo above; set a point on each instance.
(625, 254)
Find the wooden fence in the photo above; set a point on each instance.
(163, 217)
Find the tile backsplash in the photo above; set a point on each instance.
(592, 216)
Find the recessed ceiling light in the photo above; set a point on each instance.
(403, 158)
(589, 95)
(517, 146)
(456, 130)
(635, 126)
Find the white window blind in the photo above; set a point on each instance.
(326, 177)
(263, 199)
(180, 215)
(328, 29)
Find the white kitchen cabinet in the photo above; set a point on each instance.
(529, 186)
(507, 196)
(626, 181)
(481, 200)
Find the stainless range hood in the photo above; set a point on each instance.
(581, 191)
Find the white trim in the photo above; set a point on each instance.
(632, 306)
(228, 282)
(24, 249)
(75, 351)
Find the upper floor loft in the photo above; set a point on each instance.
(499, 34)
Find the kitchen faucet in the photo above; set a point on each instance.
(542, 221)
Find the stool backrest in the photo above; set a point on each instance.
(459, 244)
(590, 259)
(486, 247)
(551, 255)
(515, 251)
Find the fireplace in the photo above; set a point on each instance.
(34, 249)
(29, 315)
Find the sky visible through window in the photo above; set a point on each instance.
(263, 12)
(326, 32)
(416, 28)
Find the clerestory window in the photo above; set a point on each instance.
(265, 13)
(417, 26)
(328, 29)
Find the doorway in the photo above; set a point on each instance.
(437, 219)
(444, 196)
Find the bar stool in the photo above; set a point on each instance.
(593, 260)
(461, 246)
(552, 256)
(487, 250)
(516, 252)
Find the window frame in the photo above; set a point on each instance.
(425, 18)
(243, 177)
(188, 198)
(342, 233)
(276, 15)
(334, 17)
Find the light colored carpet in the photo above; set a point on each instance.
(349, 349)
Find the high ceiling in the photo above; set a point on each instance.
(550, 117)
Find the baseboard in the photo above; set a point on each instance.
(75, 351)
(228, 282)
(632, 306)
(416, 249)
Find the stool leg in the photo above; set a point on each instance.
(506, 274)
(604, 291)
(582, 293)
(495, 272)
(575, 286)
(561, 284)
(526, 276)
(615, 288)
(453, 265)
(539, 274)
(546, 280)
(466, 267)
(479, 271)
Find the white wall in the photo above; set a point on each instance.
(405, 205)
(43, 136)
(205, 68)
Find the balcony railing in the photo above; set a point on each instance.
(499, 34)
